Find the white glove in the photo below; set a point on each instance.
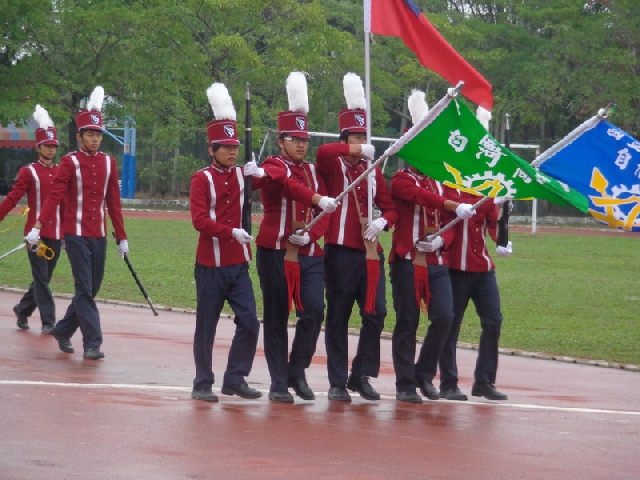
(300, 240)
(464, 210)
(373, 230)
(251, 169)
(428, 247)
(33, 236)
(500, 200)
(241, 236)
(368, 151)
(328, 204)
(123, 248)
(504, 251)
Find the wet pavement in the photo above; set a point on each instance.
(130, 416)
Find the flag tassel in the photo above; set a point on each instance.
(292, 276)
(421, 280)
(373, 273)
(373, 276)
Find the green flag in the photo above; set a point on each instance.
(455, 149)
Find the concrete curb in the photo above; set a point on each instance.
(386, 335)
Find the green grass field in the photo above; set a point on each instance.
(568, 295)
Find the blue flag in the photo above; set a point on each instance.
(603, 163)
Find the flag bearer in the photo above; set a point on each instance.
(419, 272)
(289, 260)
(473, 278)
(88, 180)
(354, 261)
(35, 180)
(222, 269)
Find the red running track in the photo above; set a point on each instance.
(130, 416)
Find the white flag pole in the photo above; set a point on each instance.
(430, 116)
(573, 135)
(367, 83)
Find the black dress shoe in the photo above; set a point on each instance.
(360, 384)
(63, 342)
(339, 394)
(242, 390)
(408, 397)
(47, 328)
(93, 354)
(204, 395)
(488, 391)
(453, 394)
(282, 397)
(300, 386)
(22, 320)
(428, 390)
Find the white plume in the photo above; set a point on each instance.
(221, 102)
(354, 92)
(42, 117)
(297, 92)
(418, 106)
(484, 116)
(96, 99)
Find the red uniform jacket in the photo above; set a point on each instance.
(286, 192)
(216, 200)
(89, 182)
(420, 202)
(35, 180)
(469, 249)
(344, 225)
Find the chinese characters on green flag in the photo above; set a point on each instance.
(456, 150)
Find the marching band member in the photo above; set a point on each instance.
(354, 261)
(289, 260)
(419, 272)
(35, 180)
(222, 269)
(88, 180)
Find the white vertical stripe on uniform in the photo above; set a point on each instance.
(316, 186)
(283, 221)
(79, 186)
(212, 214)
(485, 254)
(283, 212)
(36, 179)
(345, 205)
(465, 245)
(104, 196)
(58, 224)
(240, 178)
(441, 193)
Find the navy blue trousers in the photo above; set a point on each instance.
(346, 284)
(87, 257)
(482, 288)
(270, 264)
(214, 286)
(440, 314)
(39, 294)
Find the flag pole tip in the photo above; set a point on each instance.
(453, 91)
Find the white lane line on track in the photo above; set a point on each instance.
(172, 388)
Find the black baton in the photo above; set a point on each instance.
(135, 277)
